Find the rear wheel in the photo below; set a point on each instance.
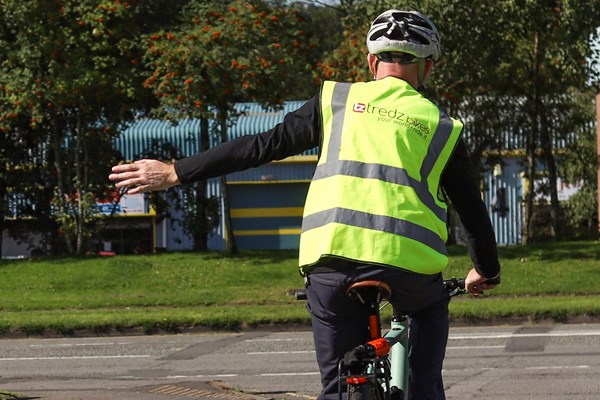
(366, 391)
(396, 394)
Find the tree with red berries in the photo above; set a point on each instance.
(69, 78)
(224, 53)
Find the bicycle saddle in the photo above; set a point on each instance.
(359, 290)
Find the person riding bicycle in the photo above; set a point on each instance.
(375, 207)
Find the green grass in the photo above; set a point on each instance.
(175, 291)
(4, 395)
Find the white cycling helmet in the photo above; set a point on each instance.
(407, 32)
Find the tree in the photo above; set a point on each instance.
(547, 63)
(182, 199)
(17, 173)
(465, 95)
(579, 166)
(71, 78)
(224, 53)
(503, 64)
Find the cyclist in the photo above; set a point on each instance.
(374, 209)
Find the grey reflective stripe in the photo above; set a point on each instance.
(440, 138)
(385, 173)
(338, 110)
(377, 222)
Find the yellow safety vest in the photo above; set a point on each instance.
(374, 196)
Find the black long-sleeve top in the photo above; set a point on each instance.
(301, 131)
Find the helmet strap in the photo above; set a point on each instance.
(422, 79)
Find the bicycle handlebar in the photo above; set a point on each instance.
(300, 295)
(454, 286)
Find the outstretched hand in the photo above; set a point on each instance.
(144, 176)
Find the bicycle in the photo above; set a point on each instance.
(378, 369)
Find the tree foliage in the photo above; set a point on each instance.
(69, 80)
(509, 69)
(74, 72)
(224, 53)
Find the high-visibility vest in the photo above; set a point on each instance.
(375, 195)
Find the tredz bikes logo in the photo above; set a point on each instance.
(359, 107)
(395, 116)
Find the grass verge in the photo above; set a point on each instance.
(177, 291)
(4, 395)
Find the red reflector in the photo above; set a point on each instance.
(356, 380)
(382, 347)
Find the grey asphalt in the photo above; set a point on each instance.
(527, 361)
(190, 390)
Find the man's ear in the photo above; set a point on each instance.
(371, 59)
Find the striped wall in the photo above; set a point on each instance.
(267, 215)
(274, 223)
(507, 223)
(185, 134)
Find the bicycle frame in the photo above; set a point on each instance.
(383, 362)
(393, 382)
(389, 369)
(397, 336)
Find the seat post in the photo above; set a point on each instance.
(371, 293)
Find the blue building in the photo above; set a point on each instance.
(266, 203)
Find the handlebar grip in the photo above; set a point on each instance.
(493, 281)
(300, 295)
(456, 286)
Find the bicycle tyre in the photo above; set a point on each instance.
(367, 391)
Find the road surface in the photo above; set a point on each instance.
(493, 363)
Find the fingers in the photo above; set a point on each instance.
(144, 175)
(473, 280)
(486, 286)
(136, 189)
(128, 176)
(126, 167)
(126, 179)
(474, 283)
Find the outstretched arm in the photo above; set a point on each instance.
(299, 131)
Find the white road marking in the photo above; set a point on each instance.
(201, 376)
(559, 367)
(290, 374)
(473, 347)
(63, 345)
(72, 357)
(510, 335)
(253, 353)
(266, 353)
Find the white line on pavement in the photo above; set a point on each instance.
(560, 367)
(290, 374)
(473, 347)
(253, 353)
(71, 357)
(509, 335)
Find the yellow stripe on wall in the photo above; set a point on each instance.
(260, 232)
(274, 182)
(297, 159)
(266, 212)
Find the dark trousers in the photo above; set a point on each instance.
(340, 324)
